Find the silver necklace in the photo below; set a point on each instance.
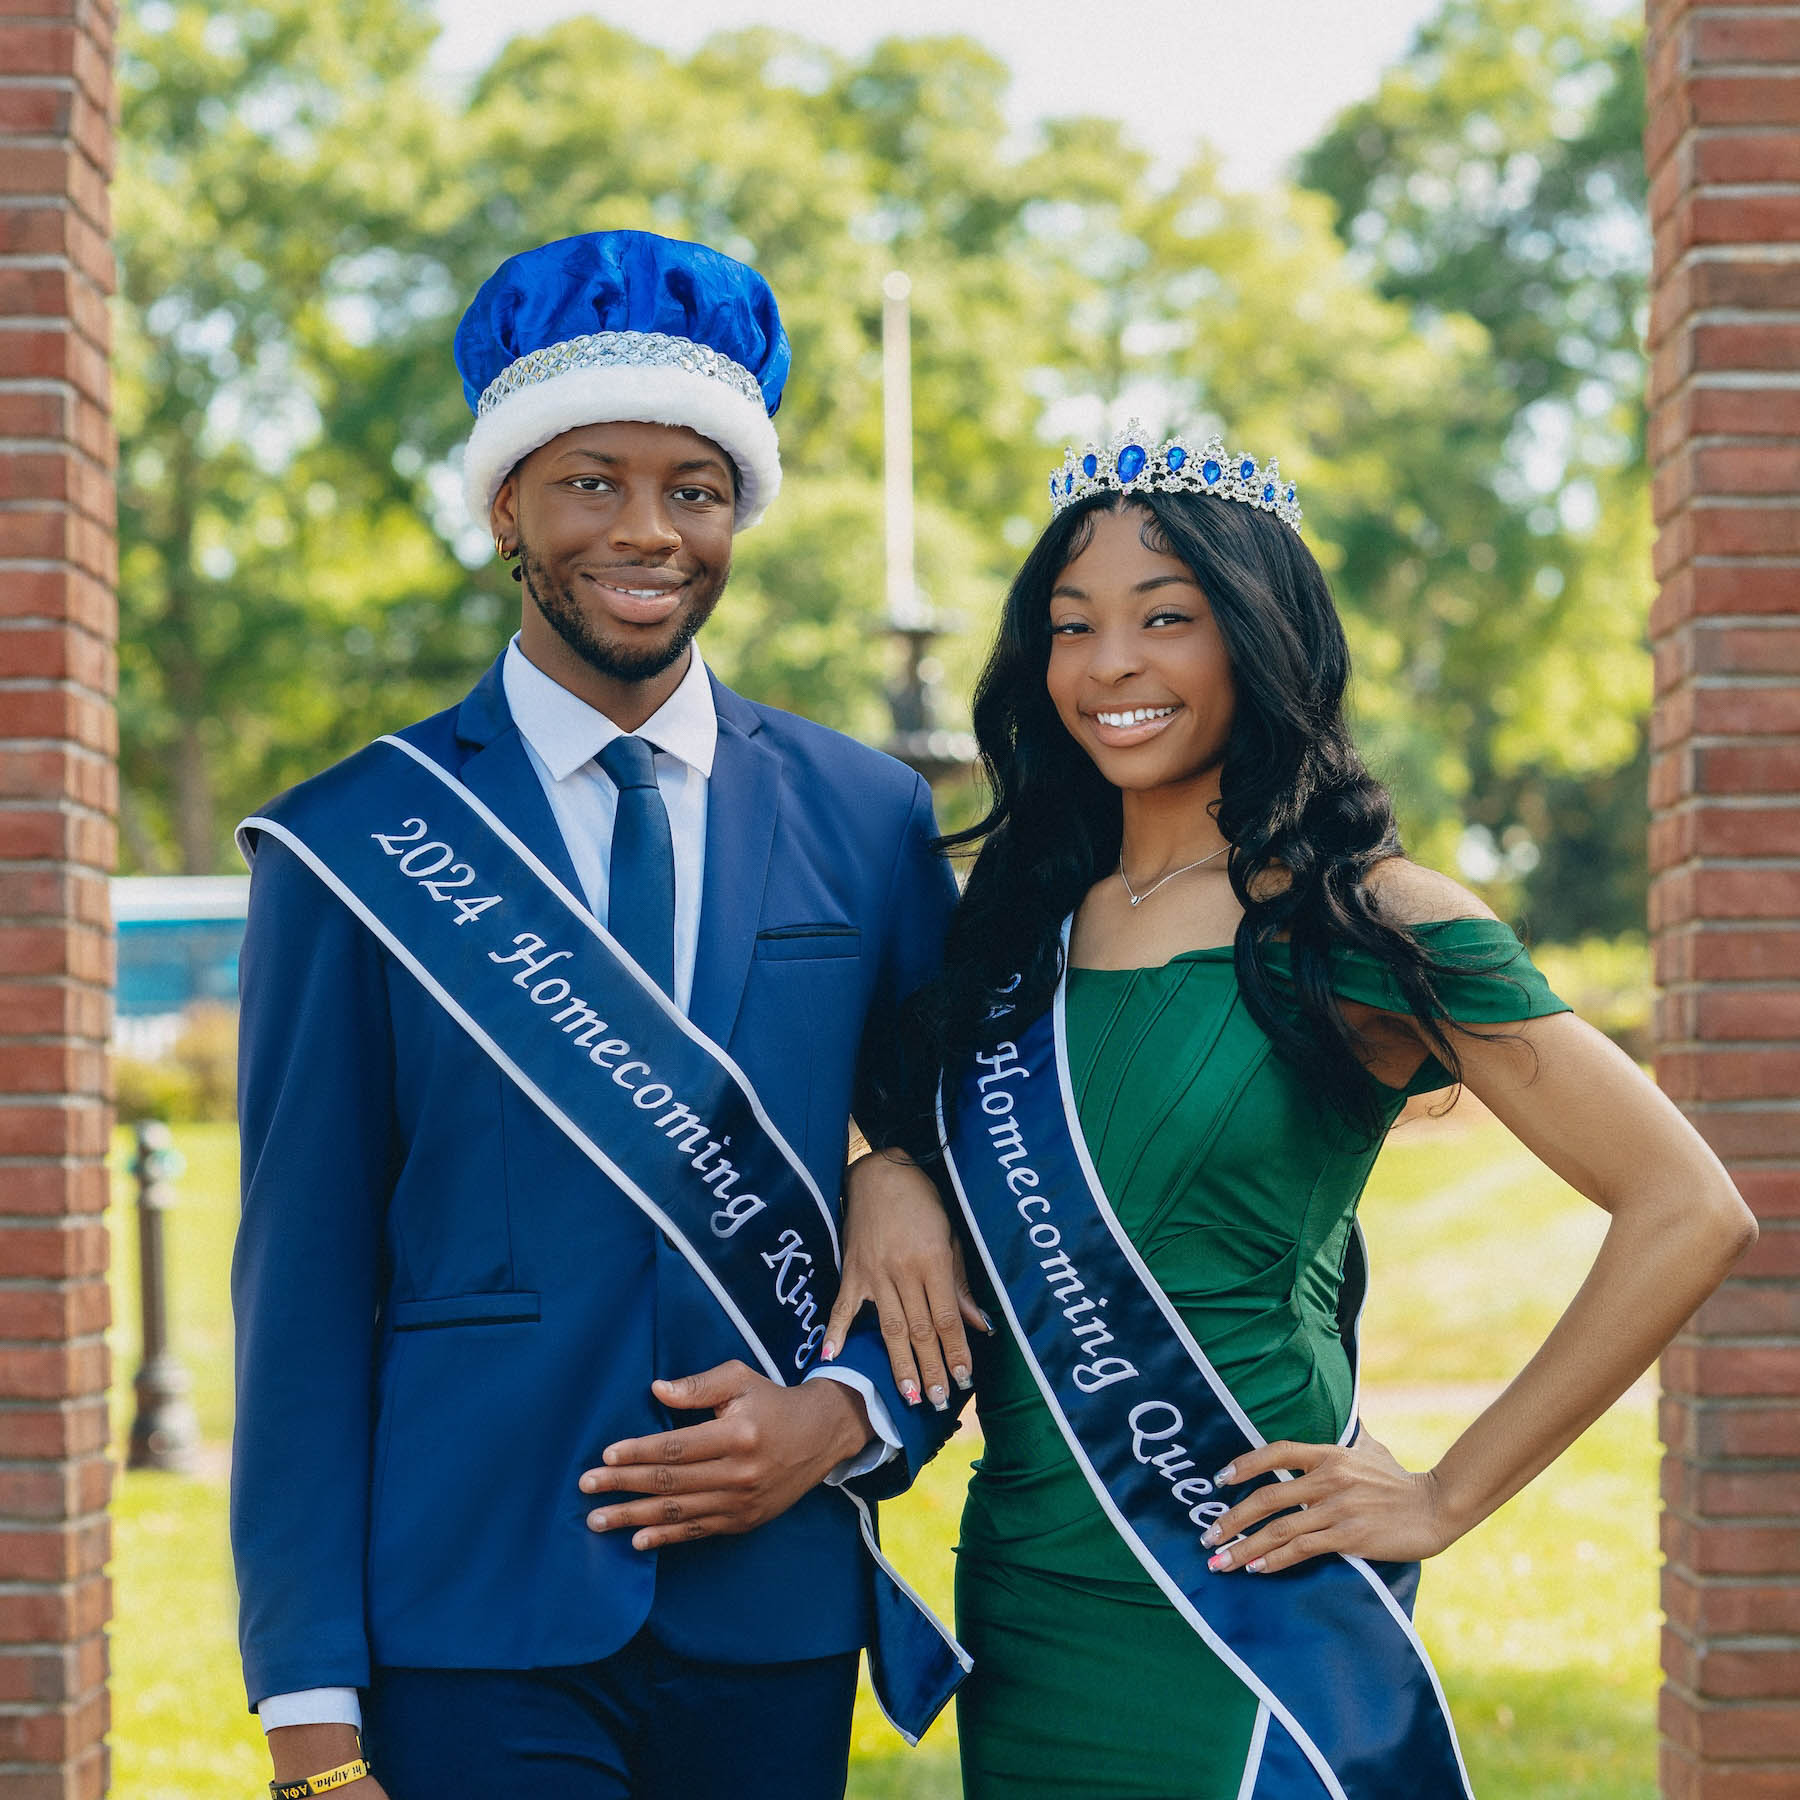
(1138, 899)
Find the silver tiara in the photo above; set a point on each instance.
(606, 349)
(1128, 465)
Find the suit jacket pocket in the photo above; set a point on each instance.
(807, 943)
(517, 1307)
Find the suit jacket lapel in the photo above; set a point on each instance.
(743, 799)
(500, 771)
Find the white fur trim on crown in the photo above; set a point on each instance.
(594, 396)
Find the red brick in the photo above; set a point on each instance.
(1744, 38)
(1749, 1013)
(33, 1190)
(54, 1674)
(62, 594)
(1727, 1074)
(72, 1130)
(85, 719)
(1751, 1309)
(1776, 1253)
(1733, 1607)
(1749, 529)
(64, 1554)
(1728, 709)
(1770, 1192)
(1692, 1368)
(56, 1429)
(1762, 99)
(53, 1371)
(1744, 158)
(41, 1251)
(1764, 344)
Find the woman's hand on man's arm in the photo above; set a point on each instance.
(901, 1254)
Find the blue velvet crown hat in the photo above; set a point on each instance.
(622, 325)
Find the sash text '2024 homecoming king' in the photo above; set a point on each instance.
(556, 1007)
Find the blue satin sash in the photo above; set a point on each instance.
(1350, 1704)
(662, 1111)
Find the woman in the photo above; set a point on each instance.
(1190, 912)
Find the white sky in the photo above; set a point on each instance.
(1258, 81)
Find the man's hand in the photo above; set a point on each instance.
(900, 1253)
(763, 1448)
(299, 1751)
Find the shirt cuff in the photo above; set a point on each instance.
(313, 1706)
(883, 1447)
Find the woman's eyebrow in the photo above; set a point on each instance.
(1156, 581)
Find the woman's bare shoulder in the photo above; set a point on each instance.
(1408, 893)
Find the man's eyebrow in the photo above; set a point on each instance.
(610, 458)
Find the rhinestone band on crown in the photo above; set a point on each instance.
(1129, 465)
(608, 349)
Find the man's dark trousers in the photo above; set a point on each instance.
(644, 1724)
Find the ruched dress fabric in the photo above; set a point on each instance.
(1239, 1188)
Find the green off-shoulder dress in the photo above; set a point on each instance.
(1239, 1188)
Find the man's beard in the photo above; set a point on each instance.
(609, 658)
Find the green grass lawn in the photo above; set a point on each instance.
(1543, 1622)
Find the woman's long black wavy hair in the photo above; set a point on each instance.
(1304, 818)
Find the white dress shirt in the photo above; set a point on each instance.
(563, 735)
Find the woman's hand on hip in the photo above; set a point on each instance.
(1356, 1500)
(900, 1253)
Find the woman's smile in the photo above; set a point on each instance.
(1120, 727)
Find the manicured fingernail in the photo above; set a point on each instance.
(1210, 1536)
(1221, 1561)
(829, 1353)
(1256, 1567)
(963, 1379)
(987, 1324)
(1226, 1474)
(939, 1398)
(596, 1521)
(909, 1392)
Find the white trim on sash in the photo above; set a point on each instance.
(538, 1097)
(579, 910)
(1253, 1761)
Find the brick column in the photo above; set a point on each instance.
(57, 790)
(1723, 146)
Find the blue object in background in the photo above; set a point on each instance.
(179, 938)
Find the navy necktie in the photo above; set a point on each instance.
(641, 891)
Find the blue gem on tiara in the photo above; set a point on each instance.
(1128, 465)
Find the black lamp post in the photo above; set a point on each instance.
(165, 1433)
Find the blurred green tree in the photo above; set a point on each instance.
(279, 180)
(1497, 173)
(301, 220)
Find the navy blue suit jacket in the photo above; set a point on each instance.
(445, 1313)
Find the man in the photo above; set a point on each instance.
(510, 1490)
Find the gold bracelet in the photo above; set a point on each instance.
(339, 1777)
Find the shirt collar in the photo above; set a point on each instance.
(566, 732)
